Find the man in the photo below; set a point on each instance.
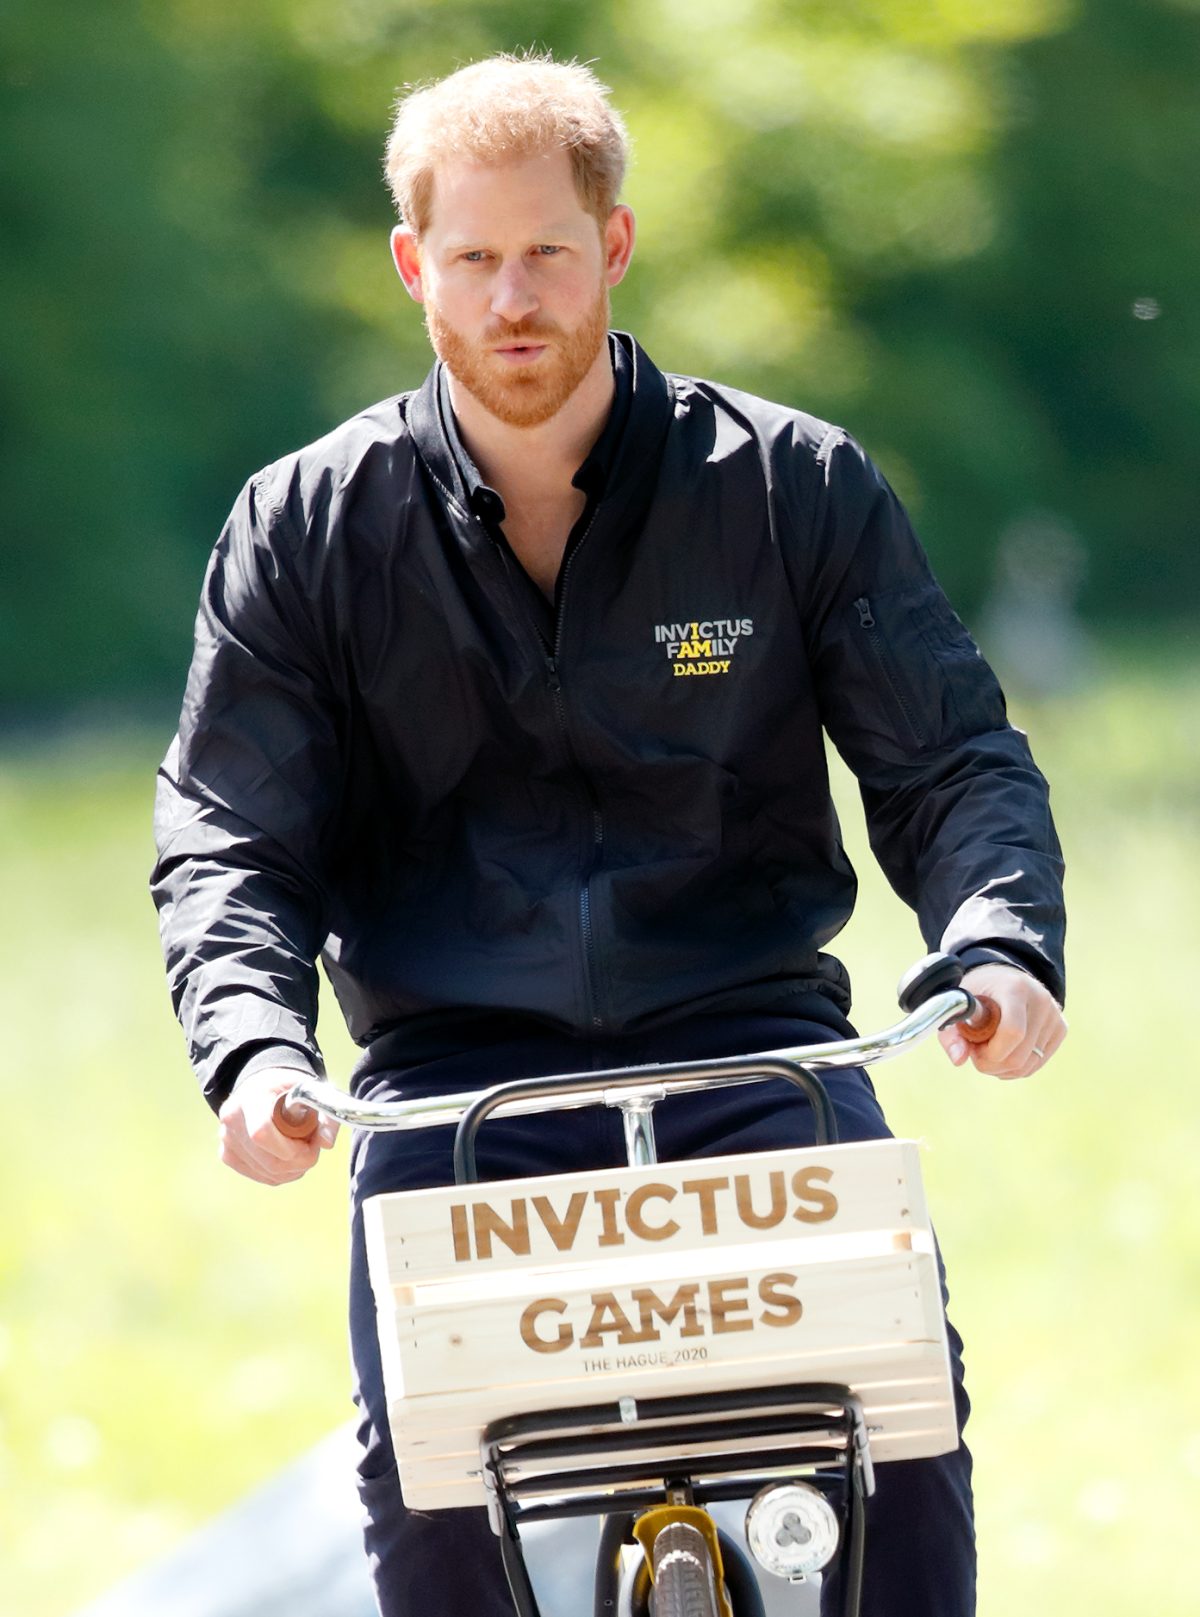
(508, 696)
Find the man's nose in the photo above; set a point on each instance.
(513, 295)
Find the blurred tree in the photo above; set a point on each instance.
(1055, 374)
(150, 350)
(954, 225)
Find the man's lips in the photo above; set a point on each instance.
(520, 353)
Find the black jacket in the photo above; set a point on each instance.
(605, 815)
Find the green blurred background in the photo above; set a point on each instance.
(965, 229)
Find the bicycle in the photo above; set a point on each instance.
(493, 1319)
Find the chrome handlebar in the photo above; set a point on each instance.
(628, 1088)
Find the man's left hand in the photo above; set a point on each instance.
(1030, 1030)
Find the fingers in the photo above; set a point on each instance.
(250, 1142)
(953, 1043)
(1010, 1046)
(1030, 1030)
(1037, 1048)
(257, 1157)
(1017, 1049)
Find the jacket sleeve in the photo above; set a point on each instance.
(958, 813)
(244, 801)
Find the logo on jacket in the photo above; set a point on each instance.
(703, 646)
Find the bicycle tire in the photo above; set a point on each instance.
(685, 1583)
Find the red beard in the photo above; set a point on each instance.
(522, 397)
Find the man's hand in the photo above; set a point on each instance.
(1030, 1030)
(252, 1144)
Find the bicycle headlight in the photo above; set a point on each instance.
(792, 1529)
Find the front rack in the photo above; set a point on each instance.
(620, 1457)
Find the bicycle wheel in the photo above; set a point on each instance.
(685, 1584)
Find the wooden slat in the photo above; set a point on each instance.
(437, 1457)
(464, 1350)
(875, 1185)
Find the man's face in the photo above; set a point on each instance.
(514, 276)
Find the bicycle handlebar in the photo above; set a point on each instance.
(296, 1112)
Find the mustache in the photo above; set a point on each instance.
(527, 330)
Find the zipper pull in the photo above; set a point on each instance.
(554, 681)
(863, 607)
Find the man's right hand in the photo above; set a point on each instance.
(250, 1142)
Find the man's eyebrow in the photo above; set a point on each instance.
(552, 232)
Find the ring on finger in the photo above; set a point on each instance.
(1039, 1052)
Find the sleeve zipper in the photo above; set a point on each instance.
(866, 620)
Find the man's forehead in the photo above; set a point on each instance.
(466, 193)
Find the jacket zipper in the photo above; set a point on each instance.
(866, 621)
(550, 652)
(585, 886)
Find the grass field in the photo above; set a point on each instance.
(169, 1334)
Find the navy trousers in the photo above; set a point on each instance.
(920, 1545)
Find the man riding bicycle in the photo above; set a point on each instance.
(508, 699)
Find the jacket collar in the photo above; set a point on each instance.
(630, 439)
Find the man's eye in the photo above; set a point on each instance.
(475, 256)
(547, 250)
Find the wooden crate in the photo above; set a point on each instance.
(740, 1271)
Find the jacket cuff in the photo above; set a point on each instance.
(254, 1058)
(991, 954)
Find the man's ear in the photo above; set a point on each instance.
(619, 235)
(406, 255)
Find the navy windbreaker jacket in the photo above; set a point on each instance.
(603, 816)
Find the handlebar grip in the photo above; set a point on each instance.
(296, 1121)
(981, 1021)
